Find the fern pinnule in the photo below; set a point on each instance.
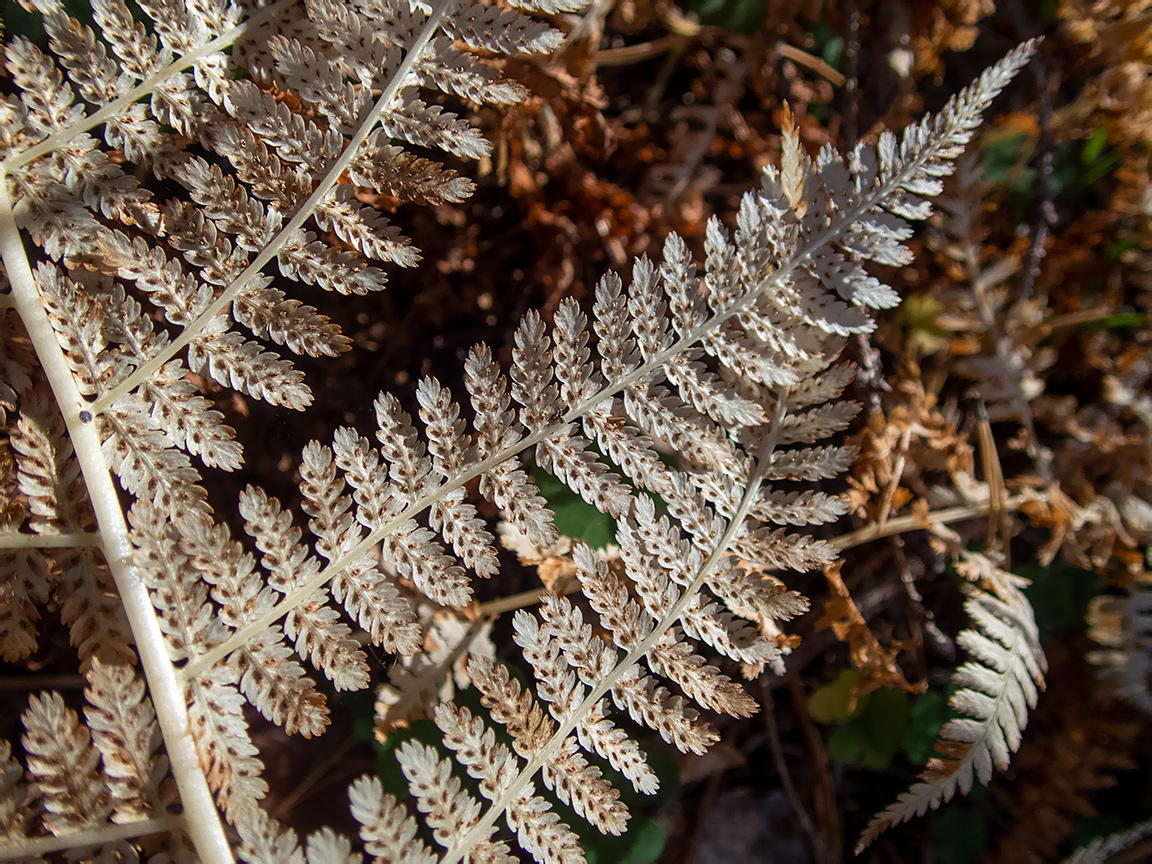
(15, 796)
(1104, 849)
(387, 830)
(229, 759)
(539, 831)
(24, 589)
(451, 514)
(63, 766)
(367, 594)
(320, 637)
(448, 809)
(78, 577)
(123, 727)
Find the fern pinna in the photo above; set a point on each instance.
(731, 371)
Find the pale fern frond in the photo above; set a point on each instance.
(997, 688)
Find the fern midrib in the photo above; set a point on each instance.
(120, 104)
(480, 831)
(302, 215)
(202, 820)
(100, 836)
(69, 540)
(641, 373)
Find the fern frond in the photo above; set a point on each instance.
(791, 272)
(996, 690)
(1102, 849)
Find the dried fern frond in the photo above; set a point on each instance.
(1123, 626)
(1008, 362)
(197, 258)
(729, 368)
(997, 687)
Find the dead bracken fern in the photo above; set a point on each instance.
(265, 149)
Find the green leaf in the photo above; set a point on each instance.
(1118, 321)
(743, 16)
(959, 836)
(886, 719)
(918, 315)
(1117, 248)
(388, 769)
(1003, 158)
(1093, 147)
(575, 517)
(928, 715)
(1059, 595)
(848, 744)
(1096, 161)
(645, 838)
(833, 49)
(641, 844)
(876, 733)
(832, 702)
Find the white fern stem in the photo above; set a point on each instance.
(201, 819)
(28, 847)
(17, 540)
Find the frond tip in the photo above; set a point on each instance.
(998, 687)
